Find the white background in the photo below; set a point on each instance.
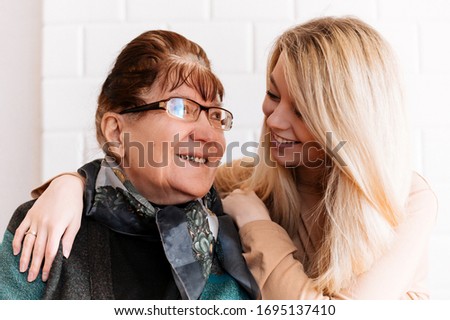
(56, 53)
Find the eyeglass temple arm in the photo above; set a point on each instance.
(147, 107)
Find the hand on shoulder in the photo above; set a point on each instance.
(245, 207)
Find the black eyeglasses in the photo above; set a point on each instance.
(189, 110)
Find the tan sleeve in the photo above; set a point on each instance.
(37, 192)
(269, 250)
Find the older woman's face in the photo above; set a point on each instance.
(169, 160)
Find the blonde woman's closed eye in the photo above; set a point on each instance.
(272, 96)
(297, 113)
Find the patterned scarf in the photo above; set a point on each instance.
(188, 233)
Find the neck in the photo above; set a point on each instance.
(157, 194)
(310, 179)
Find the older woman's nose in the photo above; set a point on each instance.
(204, 131)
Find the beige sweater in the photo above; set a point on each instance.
(276, 260)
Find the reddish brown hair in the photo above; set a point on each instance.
(155, 56)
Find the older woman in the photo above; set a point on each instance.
(153, 226)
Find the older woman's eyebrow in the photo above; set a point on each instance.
(183, 96)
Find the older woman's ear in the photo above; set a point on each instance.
(112, 126)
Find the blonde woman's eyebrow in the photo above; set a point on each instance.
(272, 81)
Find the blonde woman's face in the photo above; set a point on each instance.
(291, 142)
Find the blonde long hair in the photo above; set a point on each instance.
(343, 79)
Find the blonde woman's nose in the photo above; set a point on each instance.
(278, 118)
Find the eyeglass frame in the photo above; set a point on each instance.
(161, 105)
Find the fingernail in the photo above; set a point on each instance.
(22, 267)
(16, 251)
(30, 276)
(44, 276)
(66, 254)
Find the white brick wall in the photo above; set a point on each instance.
(82, 37)
(253, 10)
(67, 60)
(157, 10)
(82, 11)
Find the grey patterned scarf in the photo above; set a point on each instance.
(188, 234)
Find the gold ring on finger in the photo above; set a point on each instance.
(33, 233)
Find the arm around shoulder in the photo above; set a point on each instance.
(37, 192)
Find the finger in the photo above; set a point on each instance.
(19, 235)
(27, 249)
(69, 238)
(38, 255)
(50, 253)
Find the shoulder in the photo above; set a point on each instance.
(19, 215)
(421, 191)
(419, 183)
(422, 199)
(14, 284)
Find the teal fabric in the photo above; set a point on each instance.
(14, 284)
(222, 287)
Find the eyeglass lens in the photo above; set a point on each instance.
(189, 110)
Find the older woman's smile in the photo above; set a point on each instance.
(195, 159)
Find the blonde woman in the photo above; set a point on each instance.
(350, 219)
(331, 207)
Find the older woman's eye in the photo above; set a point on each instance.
(272, 96)
(215, 115)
